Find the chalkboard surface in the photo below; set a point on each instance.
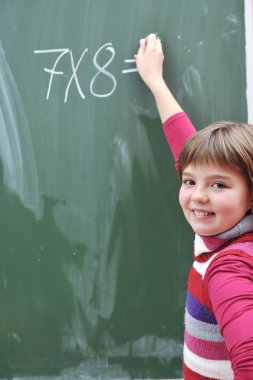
(94, 250)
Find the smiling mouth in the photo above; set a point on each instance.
(202, 213)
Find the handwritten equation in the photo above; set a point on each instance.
(73, 79)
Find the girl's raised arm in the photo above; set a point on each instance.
(149, 62)
(177, 126)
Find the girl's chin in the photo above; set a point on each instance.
(206, 231)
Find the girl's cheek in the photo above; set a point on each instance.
(181, 197)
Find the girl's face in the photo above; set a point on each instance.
(214, 198)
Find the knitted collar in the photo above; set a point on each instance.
(203, 244)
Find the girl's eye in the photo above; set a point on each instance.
(219, 185)
(188, 182)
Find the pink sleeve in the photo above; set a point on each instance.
(178, 129)
(229, 282)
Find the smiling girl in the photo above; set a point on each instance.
(215, 166)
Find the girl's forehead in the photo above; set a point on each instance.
(206, 166)
(213, 169)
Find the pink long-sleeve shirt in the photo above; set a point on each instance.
(229, 280)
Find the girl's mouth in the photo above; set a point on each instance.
(202, 213)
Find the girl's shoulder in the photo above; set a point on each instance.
(241, 246)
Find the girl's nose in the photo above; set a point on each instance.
(200, 195)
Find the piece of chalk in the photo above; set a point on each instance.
(142, 40)
(157, 37)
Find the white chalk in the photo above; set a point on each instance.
(158, 38)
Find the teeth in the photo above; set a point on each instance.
(201, 213)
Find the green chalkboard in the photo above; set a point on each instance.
(94, 250)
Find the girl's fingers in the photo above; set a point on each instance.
(159, 44)
(142, 46)
(153, 41)
(149, 40)
(149, 43)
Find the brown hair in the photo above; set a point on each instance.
(223, 143)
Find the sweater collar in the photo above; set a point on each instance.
(203, 244)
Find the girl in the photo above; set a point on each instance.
(215, 166)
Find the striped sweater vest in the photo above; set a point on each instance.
(205, 352)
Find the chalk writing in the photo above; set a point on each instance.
(101, 70)
(52, 71)
(129, 70)
(74, 75)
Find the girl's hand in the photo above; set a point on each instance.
(149, 61)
